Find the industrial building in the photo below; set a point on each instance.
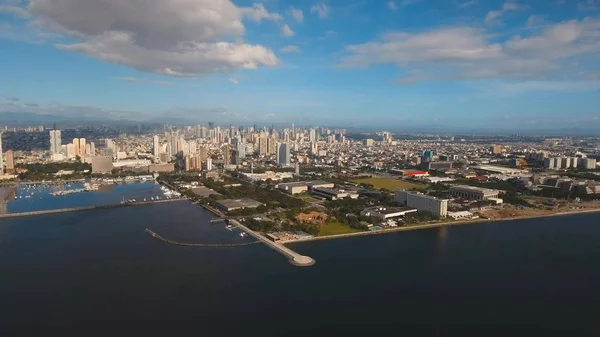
(422, 202)
(333, 193)
(161, 168)
(472, 192)
(229, 205)
(384, 213)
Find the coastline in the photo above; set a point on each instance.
(441, 224)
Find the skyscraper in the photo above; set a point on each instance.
(92, 149)
(155, 146)
(208, 164)
(1, 157)
(226, 155)
(76, 147)
(82, 147)
(55, 141)
(283, 154)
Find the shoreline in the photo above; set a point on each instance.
(441, 224)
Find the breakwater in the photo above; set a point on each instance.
(179, 243)
(86, 208)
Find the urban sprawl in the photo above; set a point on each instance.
(302, 183)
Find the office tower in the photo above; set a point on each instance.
(240, 146)
(82, 147)
(75, 147)
(208, 164)
(283, 154)
(173, 140)
(271, 146)
(226, 155)
(55, 141)
(262, 145)
(155, 146)
(1, 157)
(312, 136)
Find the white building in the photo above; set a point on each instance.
(209, 164)
(422, 202)
(1, 157)
(155, 146)
(587, 163)
(384, 213)
(55, 141)
(473, 192)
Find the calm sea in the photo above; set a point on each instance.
(97, 273)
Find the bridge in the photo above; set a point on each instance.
(173, 242)
(86, 208)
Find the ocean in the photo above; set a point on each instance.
(98, 273)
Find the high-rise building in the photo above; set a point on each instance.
(496, 149)
(155, 146)
(55, 141)
(283, 154)
(368, 142)
(312, 136)
(208, 164)
(226, 155)
(75, 147)
(271, 146)
(82, 148)
(262, 145)
(1, 157)
(10, 159)
(92, 149)
(70, 151)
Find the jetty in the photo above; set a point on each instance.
(294, 258)
(86, 208)
(178, 243)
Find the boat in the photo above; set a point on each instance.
(242, 234)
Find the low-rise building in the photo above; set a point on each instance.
(303, 186)
(102, 164)
(312, 217)
(333, 193)
(422, 202)
(473, 192)
(229, 205)
(384, 213)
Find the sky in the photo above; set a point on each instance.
(395, 64)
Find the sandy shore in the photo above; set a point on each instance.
(442, 224)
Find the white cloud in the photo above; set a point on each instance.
(493, 17)
(468, 4)
(535, 20)
(257, 13)
(233, 80)
(290, 49)
(458, 53)
(330, 34)
(188, 37)
(392, 5)
(295, 13)
(143, 80)
(14, 10)
(589, 5)
(321, 9)
(286, 30)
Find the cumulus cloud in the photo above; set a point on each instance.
(184, 38)
(295, 13)
(14, 10)
(392, 5)
(286, 30)
(589, 5)
(493, 17)
(321, 9)
(143, 80)
(290, 49)
(459, 53)
(257, 13)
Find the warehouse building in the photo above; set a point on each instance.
(229, 205)
(303, 186)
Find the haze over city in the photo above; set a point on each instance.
(403, 64)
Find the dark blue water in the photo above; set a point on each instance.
(37, 198)
(97, 273)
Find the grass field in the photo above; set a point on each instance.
(389, 183)
(334, 228)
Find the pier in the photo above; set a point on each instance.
(86, 208)
(178, 243)
(294, 258)
(218, 220)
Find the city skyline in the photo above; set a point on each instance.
(401, 64)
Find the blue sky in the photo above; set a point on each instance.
(390, 64)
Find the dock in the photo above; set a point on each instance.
(86, 208)
(178, 243)
(294, 258)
